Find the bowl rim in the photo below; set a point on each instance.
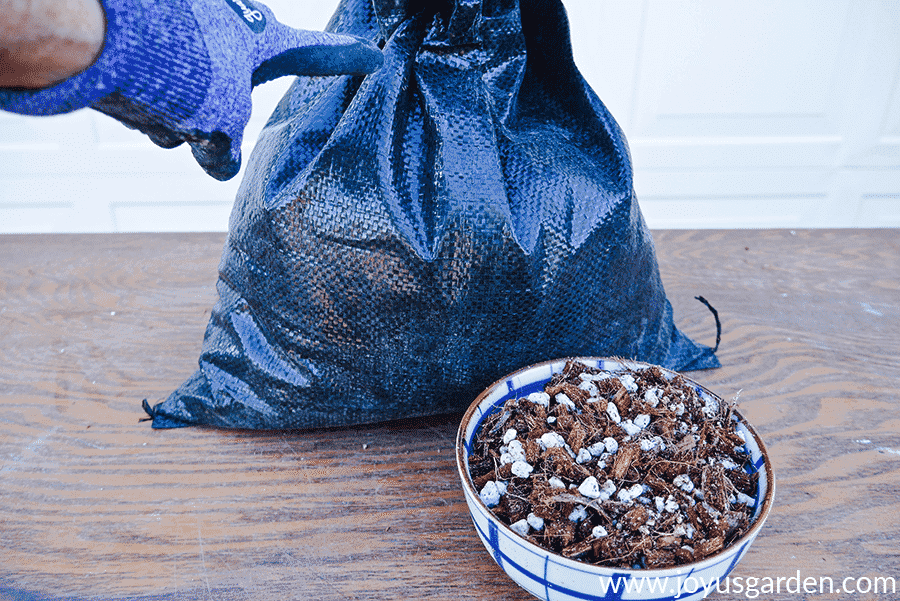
(734, 547)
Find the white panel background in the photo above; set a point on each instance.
(739, 114)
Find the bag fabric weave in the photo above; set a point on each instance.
(402, 240)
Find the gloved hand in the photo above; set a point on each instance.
(183, 70)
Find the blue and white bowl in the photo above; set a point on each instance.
(552, 577)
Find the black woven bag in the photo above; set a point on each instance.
(402, 240)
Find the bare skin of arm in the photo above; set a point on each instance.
(43, 42)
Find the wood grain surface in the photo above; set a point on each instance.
(95, 504)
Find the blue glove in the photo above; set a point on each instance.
(183, 70)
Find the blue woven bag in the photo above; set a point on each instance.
(404, 239)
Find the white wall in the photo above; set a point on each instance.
(763, 113)
(739, 114)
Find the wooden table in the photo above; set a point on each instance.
(95, 504)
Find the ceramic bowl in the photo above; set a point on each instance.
(548, 575)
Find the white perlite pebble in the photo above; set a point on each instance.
(603, 375)
(578, 514)
(642, 421)
(728, 464)
(551, 420)
(630, 428)
(611, 445)
(599, 532)
(627, 495)
(683, 481)
(516, 450)
(501, 487)
(589, 387)
(490, 496)
(555, 482)
(651, 398)
(522, 469)
(710, 407)
(613, 412)
(628, 382)
(510, 436)
(521, 527)
(685, 530)
(607, 490)
(535, 522)
(677, 409)
(669, 504)
(551, 440)
(597, 449)
(745, 499)
(590, 488)
(563, 399)
(648, 444)
(539, 398)
(583, 456)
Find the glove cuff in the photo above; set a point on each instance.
(153, 55)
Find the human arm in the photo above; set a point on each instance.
(183, 71)
(43, 42)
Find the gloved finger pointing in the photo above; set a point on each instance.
(164, 139)
(220, 156)
(299, 52)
